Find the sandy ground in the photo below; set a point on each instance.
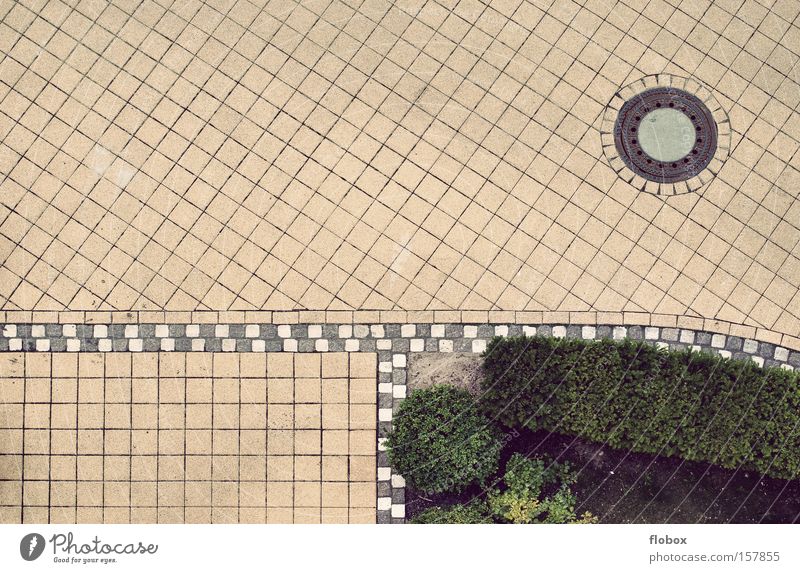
(458, 369)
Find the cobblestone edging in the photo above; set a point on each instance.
(392, 342)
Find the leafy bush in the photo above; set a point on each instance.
(632, 395)
(441, 442)
(475, 512)
(537, 492)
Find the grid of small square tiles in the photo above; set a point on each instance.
(393, 344)
(429, 155)
(187, 438)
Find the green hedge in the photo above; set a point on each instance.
(632, 395)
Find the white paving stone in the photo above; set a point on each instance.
(384, 367)
(135, 345)
(104, 345)
(662, 345)
(229, 345)
(687, 336)
(399, 391)
(559, 331)
(408, 330)
(10, 330)
(470, 331)
(788, 367)
(15, 344)
(384, 414)
(162, 330)
(417, 345)
(360, 330)
(222, 331)
(131, 331)
(383, 344)
(398, 480)
(758, 360)
(445, 345)
(718, 341)
(619, 332)
(168, 344)
(100, 331)
(351, 345)
(69, 330)
(399, 360)
(198, 345)
(252, 331)
(321, 345)
(588, 332)
(781, 354)
(478, 345)
(259, 346)
(384, 503)
(725, 353)
(376, 330)
(289, 345)
(37, 330)
(437, 330)
(284, 330)
(750, 346)
(192, 330)
(385, 387)
(651, 333)
(43, 344)
(345, 330)
(501, 330)
(381, 444)
(73, 345)
(398, 510)
(529, 330)
(384, 474)
(314, 330)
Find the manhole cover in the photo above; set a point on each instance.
(665, 135)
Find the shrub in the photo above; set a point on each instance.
(536, 492)
(441, 442)
(475, 512)
(632, 395)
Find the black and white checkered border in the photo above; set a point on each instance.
(392, 342)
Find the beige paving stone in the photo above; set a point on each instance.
(281, 159)
(213, 439)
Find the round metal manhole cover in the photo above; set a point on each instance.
(665, 135)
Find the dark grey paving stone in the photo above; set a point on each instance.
(702, 338)
(636, 332)
(734, 343)
(669, 334)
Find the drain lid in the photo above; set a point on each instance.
(666, 135)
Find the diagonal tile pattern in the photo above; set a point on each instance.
(387, 155)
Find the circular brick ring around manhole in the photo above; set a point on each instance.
(665, 135)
